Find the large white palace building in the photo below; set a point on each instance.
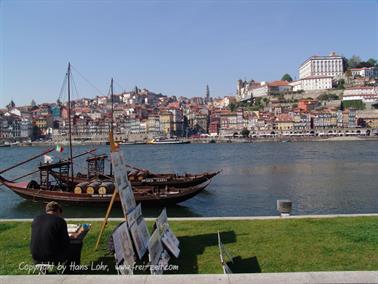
(331, 65)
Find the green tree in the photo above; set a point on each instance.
(354, 61)
(232, 106)
(342, 106)
(287, 77)
(356, 104)
(328, 97)
(341, 84)
(372, 62)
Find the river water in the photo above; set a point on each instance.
(319, 177)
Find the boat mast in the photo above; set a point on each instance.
(69, 117)
(112, 118)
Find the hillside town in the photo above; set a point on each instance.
(333, 96)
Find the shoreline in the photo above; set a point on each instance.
(279, 139)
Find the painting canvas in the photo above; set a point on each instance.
(123, 185)
(155, 248)
(134, 215)
(170, 243)
(140, 235)
(168, 238)
(124, 252)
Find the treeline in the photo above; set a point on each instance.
(356, 62)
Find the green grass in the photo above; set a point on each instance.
(285, 245)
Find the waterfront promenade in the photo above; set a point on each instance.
(352, 277)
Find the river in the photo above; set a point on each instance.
(319, 177)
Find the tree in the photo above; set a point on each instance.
(328, 97)
(341, 84)
(342, 106)
(356, 104)
(287, 77)
(232, 106)
(58, 102)
(372, 62)
(354, 61)
(33, 103)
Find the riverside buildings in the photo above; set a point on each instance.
(258, 107)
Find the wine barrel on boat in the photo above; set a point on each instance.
(80, 187)
(93, 187)
(106, 188)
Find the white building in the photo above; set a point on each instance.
(365, 93)
(365, 72)
(296, 85)
(260, 91)
(316, 83)
(331, 65)
(271, 88)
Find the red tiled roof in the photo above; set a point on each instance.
(278, 83)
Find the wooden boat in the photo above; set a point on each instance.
(146, 178)
(148, 195)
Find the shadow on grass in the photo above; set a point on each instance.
(248, 265)
(194, 246)
(191, 248)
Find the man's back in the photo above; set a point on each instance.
(49, 240)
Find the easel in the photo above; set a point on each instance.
(113, 148)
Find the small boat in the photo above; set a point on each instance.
(148, 196)
(168, 141)
(4, 145)
(133, 143)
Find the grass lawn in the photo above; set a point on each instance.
(285, 245)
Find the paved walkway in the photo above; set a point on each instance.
(263, 278)
(214, 218)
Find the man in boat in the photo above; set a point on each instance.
(50, 241)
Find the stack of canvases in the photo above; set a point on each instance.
(126, 247)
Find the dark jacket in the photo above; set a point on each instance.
(49, 239)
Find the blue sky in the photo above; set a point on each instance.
(172, 47)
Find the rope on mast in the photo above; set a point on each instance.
(87, 80)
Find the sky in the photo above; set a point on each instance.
(171, 47)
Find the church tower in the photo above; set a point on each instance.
(207, 97)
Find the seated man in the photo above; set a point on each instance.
(50, 242)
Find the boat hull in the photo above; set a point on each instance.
(147, 197)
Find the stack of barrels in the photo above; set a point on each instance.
(95, 187)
